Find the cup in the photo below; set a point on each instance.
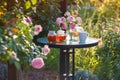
(83, 36)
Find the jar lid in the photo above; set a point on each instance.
(51, 31)
(60, 32)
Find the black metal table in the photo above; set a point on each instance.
(67, 49)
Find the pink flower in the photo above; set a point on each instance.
(58, 21)
(37, 63)
(72, 26)
(75, 12)
(14, 56)
(64, 26)
(38, 29)
(116, 29)
(69, 21)
(70, 18)
(27, 20)
(63, 19)
(67, 13)
(100, 42)
(79, 20)
(46, 49)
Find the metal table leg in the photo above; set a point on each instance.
(62, 64)
(67, 68)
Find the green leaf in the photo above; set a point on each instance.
(17, 65)
(27, 4)
(1, 31)
(11, 61)
(34, 2)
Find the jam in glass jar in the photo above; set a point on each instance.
(60, 37)
(51, 36)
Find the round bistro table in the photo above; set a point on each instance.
(67, 50)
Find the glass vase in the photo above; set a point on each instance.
(69, 35)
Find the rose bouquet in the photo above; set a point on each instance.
(69, 22)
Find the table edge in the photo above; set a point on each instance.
(65, 46)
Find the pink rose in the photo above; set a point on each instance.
(46, 49)
(37, 63)
(79, 20)
(14, 56)
(116, 29)
(100, 42)
(63, 19)
(75, 12)
(58, 21)
(71, 18)
(72, 26)
(27, 20)
(67, 13)
(64, 26)
(38, 29)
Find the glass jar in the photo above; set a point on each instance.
(75, 35)
(60, 37)
(76, 32)
(51, 36)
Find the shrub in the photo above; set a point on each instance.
(109, 53)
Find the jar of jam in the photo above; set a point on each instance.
(51, 36)
(60, 37)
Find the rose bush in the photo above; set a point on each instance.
(16, 45)
(109, 52)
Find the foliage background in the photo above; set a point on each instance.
(100, 17)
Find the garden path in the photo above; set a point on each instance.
(42, 74)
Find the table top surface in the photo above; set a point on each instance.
(68, 44)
